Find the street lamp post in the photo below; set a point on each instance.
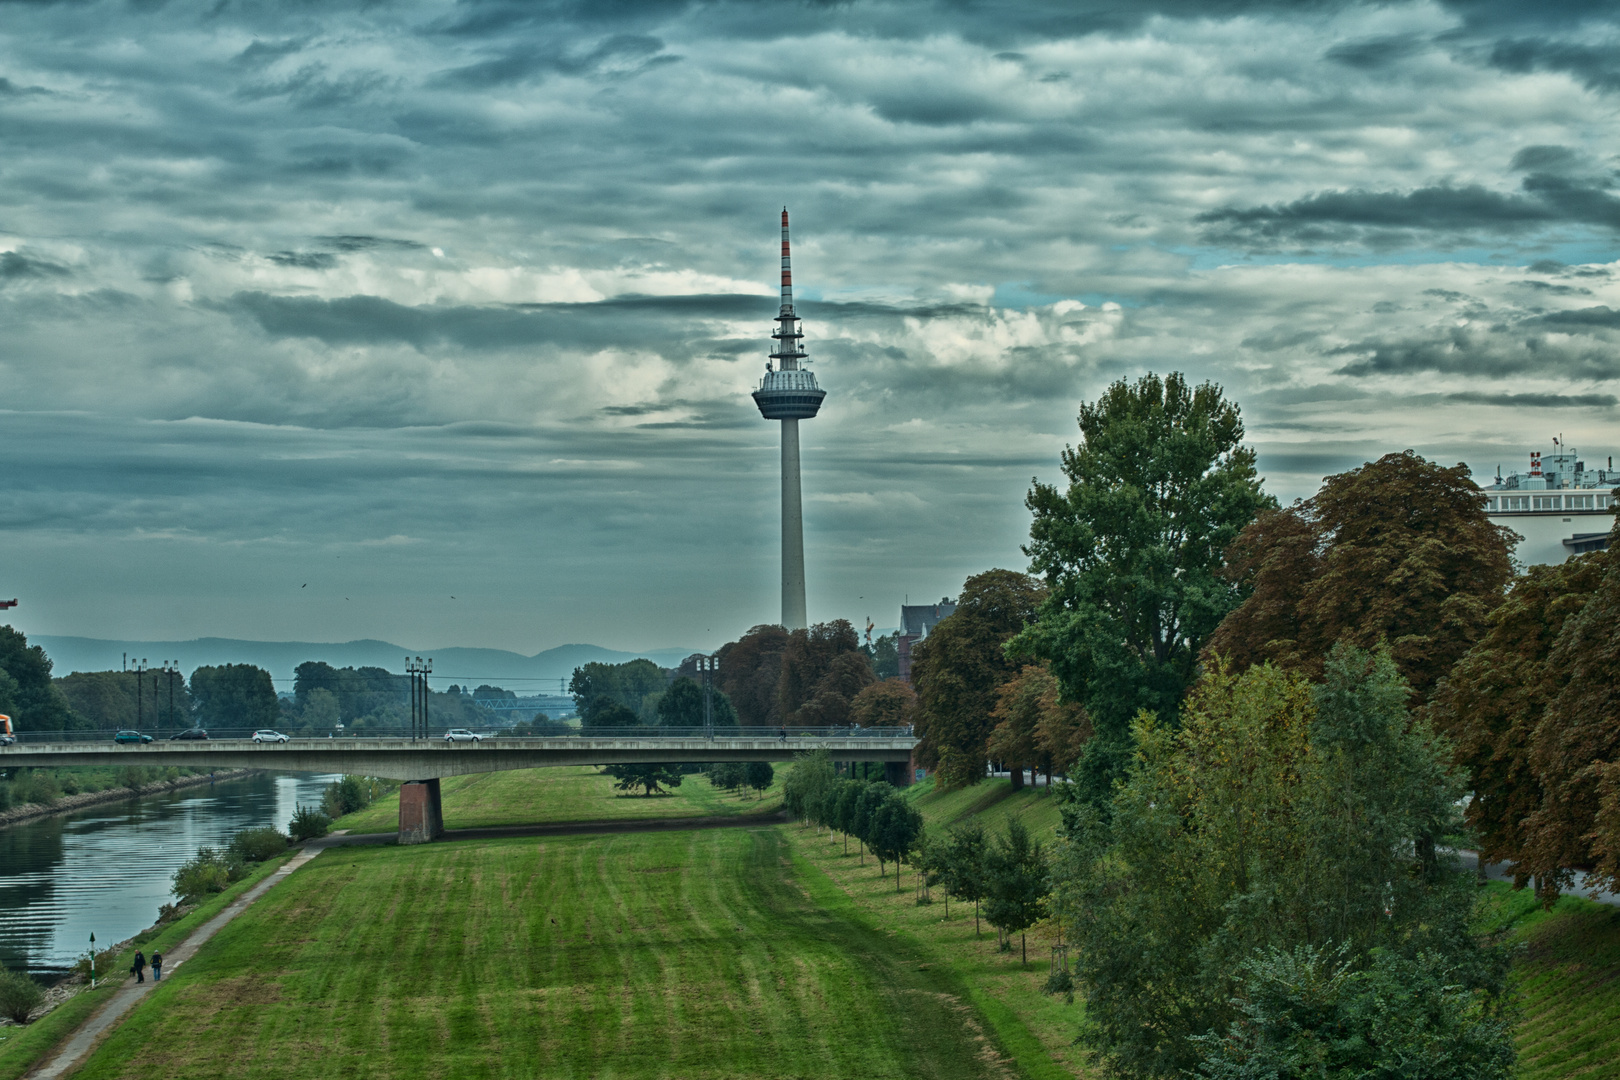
(140, 677)
(707, 666)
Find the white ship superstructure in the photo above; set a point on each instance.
(1560, 506)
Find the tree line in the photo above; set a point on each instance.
(1269, 717)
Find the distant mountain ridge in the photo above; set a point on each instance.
(535, 674)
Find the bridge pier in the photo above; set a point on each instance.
(421, 813)
(901, 773)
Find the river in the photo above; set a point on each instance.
(108, 868)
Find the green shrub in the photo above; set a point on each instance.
(131, 776)
(345, 796)
(256, 845)
(19, 996)
(207, 873)
(309, 823)
(35, 786)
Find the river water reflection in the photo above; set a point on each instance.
(107, 868)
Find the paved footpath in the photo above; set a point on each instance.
(103, 1020)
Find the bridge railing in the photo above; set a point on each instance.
(437, 735)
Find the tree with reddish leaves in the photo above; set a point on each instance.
(1398, 550)
(823, 670)
(1575, 749)
(1498, 694)
(750, 669)
(884, 704)
(958, 668)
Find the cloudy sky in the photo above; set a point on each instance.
(316, 315)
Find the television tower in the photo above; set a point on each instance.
(789, 393)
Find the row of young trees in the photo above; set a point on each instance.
(1006, 874)
(872, 813)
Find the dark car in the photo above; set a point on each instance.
(131, 737)
(190, 733)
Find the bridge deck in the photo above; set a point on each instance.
(403, 759)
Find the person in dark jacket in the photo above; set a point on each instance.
(157, 967)
(139, 967)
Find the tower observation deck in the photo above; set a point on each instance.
(788, 393)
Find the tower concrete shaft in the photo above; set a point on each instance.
(793, 608)
(789, 393)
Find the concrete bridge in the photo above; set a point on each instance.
(422, 762)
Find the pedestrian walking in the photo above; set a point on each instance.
(139, 966)
(157, 967)
(784, 733)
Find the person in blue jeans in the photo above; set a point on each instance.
(157, 967)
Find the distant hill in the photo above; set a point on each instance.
(497, 667)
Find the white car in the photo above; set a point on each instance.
(461, 734)
(266, 735)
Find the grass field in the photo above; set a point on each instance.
(1568, 980)
(992, 803)
(684, 954)
(566, 793)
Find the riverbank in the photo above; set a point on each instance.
(69, 803)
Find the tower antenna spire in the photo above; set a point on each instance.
(787, 268)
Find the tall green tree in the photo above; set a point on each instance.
(27, 693)
(628, 684)
(1398, 550)
(111, 699)
(1132, 552)
(958, 668)
(1279, 815)
(234, 695)
(884, 652)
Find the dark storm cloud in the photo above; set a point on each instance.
(15, 265)
(1596, 66)
(1538, 401)
(1346, 216)
(1494, 352)
(622, 53)
(369, 243)
(308, 260)
(1376, 52)
(359, 320)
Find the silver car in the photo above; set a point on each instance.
(266, 735)
(461, 734)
